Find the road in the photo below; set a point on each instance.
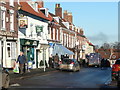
(85, 78)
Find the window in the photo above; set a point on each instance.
(0, 52)
(3, 20)
(11, 2)
(11, 50)
(57, 34)
(11, 22)
(8, 50)
(2, 1)
(53, 33)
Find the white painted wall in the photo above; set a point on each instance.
(42, 39)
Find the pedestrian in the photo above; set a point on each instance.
(102, 63)
(21, 60)
(56, 60)
(50, 61)
(107, 63)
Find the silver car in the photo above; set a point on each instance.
(69, 64)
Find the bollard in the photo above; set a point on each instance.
(118, 80)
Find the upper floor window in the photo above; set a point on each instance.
(11, 22)
(3, 15)
(11, 2)
(2, 1)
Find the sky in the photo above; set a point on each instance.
(98, 19)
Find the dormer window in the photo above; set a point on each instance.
(34, 5)
(11, 2)
(44, 11)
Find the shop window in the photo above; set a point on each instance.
(11, 50)
(0, 51)
(8, 50)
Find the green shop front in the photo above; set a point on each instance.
(29, 46)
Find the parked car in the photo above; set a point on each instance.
(116, 70)
(5, 79)
(69, 64)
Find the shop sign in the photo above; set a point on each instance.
(23, 22)
(35, 43)
(39, 29)
(28, 42)
(4, 33)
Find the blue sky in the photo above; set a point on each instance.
(98, 19)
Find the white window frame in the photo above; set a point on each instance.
(11, 2)
(3, 1)
(0, 52)
(3, 15)
(7, 50)
(53, 33)
(12, 22)
(13, 49)
(57, 34)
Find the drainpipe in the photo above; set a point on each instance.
(44, 59)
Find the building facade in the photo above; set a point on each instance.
(8, 33)
(34, 34)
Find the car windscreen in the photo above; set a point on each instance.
(117, 62)
(67, 61)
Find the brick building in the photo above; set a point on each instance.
(8, 32)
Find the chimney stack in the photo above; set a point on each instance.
(58, 10)
(70, 17)
(65, 14)
(40, 3)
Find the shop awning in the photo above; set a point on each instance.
(61, 50)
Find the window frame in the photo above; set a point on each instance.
(12, 22)
(3, 15)
(11, 2)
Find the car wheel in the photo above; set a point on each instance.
(74, 70)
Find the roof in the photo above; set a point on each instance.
(60, 21)
(90, 43)
(26, 7)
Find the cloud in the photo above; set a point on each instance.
(99, 38)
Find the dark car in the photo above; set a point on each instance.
(116, 70)
(69, 64)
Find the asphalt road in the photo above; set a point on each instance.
(85, 78)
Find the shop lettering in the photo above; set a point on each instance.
(7, 34)
(27, 43)
(35, 43)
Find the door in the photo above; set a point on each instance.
(8, 55)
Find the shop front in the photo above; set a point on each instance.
(29, 46)
(8, 52)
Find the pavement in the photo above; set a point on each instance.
(33, 72)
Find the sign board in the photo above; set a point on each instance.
(39, 29)
(23, 22)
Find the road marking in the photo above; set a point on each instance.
(14, 85)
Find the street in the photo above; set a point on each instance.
(85, 78)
